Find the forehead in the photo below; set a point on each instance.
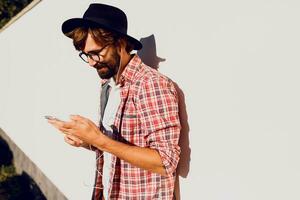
(91, 44)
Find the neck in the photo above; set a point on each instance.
(124, 60)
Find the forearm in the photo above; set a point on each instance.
(145, 158)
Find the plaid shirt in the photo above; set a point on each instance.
(147, 117)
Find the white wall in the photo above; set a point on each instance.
(236, 63)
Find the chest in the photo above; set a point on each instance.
(127, 120)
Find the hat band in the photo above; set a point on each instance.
(107, 24)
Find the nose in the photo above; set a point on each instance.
(91, 62)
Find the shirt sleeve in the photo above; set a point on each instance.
(158, 111)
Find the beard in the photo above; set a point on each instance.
(108, 69)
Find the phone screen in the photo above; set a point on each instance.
(49, 117)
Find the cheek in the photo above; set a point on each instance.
(114, 57)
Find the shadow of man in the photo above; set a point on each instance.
(148, 52)
(183, 167)
(150, 58)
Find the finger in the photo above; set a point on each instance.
(61, 124)
(64, 131)
(61, 128)
(76, 117)
(57, 125)
(69, 125)
(79, 118)
(75, 139)
(54, 122)
(67, 140)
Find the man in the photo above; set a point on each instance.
(139, 127)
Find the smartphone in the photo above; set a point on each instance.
(49, 117)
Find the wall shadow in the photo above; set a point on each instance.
(149, 57)
(183, 167)
(15, 186)
(148, 52)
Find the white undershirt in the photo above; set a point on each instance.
(112, 105)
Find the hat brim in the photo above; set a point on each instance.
(70, 24)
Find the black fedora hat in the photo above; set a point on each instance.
(103, 16)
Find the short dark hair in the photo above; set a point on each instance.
(101, 37)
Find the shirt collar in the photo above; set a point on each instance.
(130, 69)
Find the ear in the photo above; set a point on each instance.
(121, 45)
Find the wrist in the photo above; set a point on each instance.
(101, 142)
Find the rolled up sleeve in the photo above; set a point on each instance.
(159, 118)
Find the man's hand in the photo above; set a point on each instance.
(79, 131)
(87, 132)
(73, 141)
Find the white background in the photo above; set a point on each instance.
(235, 62)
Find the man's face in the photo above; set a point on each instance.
(108, 65)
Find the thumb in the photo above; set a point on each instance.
(75, 117)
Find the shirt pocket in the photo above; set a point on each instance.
(130, 129)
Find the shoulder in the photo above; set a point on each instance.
(152, 82)
(147, 75)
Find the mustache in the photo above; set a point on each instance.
(100, 65)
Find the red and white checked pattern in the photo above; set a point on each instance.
(147, 117)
